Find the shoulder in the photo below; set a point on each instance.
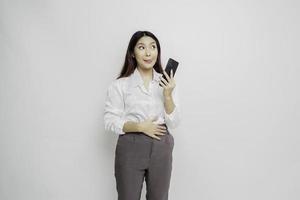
(118, 84)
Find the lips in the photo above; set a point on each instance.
(148, 61)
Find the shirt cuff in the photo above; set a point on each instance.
(172, 119)
(119, 127)
(172, 114)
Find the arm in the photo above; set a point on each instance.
(114, 109)
(132, 127)
(172, 109)
(147, 127)
(171, 101)
(169, 104)
(114, 120)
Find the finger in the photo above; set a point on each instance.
(164, 80)
(160, 133)
(154, 136)
(167, 76)
(161, 127)
(162, 84)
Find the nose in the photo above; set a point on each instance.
(147, 53)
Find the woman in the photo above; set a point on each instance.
(140, 107)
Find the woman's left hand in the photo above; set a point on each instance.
(168, 84)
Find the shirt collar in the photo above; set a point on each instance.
(136, 77)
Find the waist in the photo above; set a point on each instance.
(165, 125)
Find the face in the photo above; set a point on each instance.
(145, 52)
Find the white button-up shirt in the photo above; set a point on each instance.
(128, 100)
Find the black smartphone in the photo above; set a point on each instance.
(171, 64)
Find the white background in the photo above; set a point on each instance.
(238, 80)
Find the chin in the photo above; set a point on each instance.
(147, 67)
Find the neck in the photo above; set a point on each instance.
(147, 74)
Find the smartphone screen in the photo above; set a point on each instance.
(172, 64)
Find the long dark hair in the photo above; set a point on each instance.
(130, 63)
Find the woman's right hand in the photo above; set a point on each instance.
(151, 129)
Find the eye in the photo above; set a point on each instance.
(153, 46)
(141, 47)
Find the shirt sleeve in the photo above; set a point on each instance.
(173, 119)
(114, 109)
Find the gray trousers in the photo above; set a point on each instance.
(139, 157)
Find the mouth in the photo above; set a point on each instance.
(148, 61)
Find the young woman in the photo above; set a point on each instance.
(140, 107)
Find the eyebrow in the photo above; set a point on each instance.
(143, 43)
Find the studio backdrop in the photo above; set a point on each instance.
(237, 80)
